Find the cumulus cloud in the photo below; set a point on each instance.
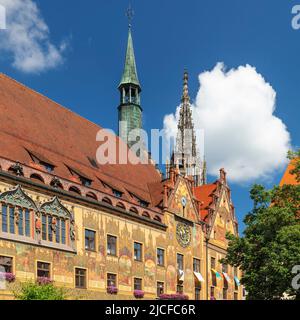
(236, 110)
(27, 38)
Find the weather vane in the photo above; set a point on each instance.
(130, 15)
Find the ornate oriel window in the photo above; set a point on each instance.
(23, 219)
(17, 212)
(56, 221)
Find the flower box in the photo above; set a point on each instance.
(176, 296)
(112, 290)
(44, 281)
(9, 277)
(139, 294)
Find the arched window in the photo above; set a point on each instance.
(91, 195)
(74, 190)
(120, 205)
(18, 212)
(146, 214)
(134, 210)
(107, 200)
(55, 221)
(37, 178)
(157, 218)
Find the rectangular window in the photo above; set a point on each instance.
(213, 275)
(111, 280)
(12, 220)
(225, 285)
(50, 233)
(44, 227)
(179, 261)
(4, 218)
(27, 223)
(212, 292)
(196, 265)
(224, 268)
(90, 240)
(138, 251)
(160, 288)
(180, 288)
(224, 293)
(111, 245)
(161, 257)
(57, 234)
(80, 278)
(197, 293)
(137, 284)
(43, 269)
(213, 262)
(6, 264)
(63, 231)
(21, 222)
(236, 297)
(213, 279)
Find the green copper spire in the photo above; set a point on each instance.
(130, 74)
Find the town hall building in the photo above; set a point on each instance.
(106, 231)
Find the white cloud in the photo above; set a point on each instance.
(236, 110)
(27, 38)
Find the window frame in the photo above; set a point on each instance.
(194, 264)
(43, 270)
(177, 261)
(159, 255)
(158, 288)
(141, 251)
(89, 248)
(115, 279)
(198, 293)
(134, 283)
(12, 266)
(108, 251)
(85, 276)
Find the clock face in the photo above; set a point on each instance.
(183, 234)
(183, 201)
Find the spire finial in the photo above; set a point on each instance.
(185, 96)
(130, 15)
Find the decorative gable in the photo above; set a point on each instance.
(181, 201)
(17, 197)
(222, 220)
(54, 207)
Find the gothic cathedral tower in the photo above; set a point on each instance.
(186, 157)
(130, 110)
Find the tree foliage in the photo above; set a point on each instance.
(35, 291)
(270, 247)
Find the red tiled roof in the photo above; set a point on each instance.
(204, 194)
(30, 120)
(288, 178)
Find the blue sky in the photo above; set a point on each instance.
(168, 37)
